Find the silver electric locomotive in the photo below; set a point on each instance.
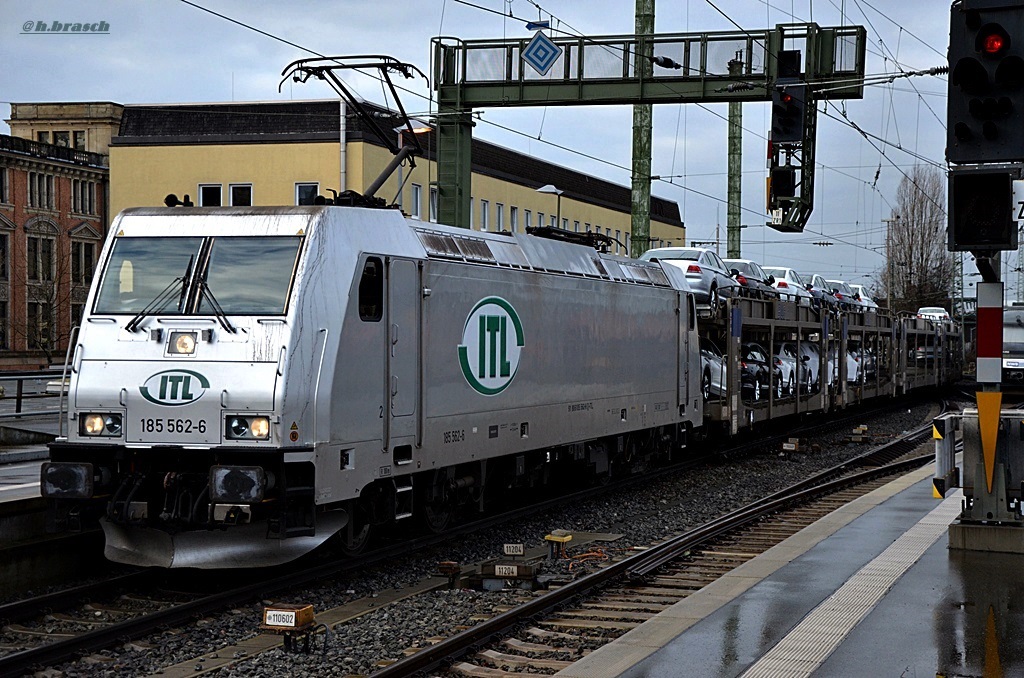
(250, 382)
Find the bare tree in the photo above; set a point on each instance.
(920, 267)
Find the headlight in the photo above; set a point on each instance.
(247, 428)
(99, 424)
(182, 343)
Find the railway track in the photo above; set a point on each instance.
(115, 623)
(566, 623)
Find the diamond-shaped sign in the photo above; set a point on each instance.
(541, 53)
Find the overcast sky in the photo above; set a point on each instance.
(171, 51)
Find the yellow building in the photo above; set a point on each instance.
(287, 153)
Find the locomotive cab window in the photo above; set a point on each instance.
(371, 291)
(196, 275)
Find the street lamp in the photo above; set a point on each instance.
(550, 188)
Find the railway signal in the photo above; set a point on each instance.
(789, 106)
(986, 82)
(981, 213)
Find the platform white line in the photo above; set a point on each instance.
(818, 635)
(18, 487)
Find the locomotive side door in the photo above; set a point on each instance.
(403, 350)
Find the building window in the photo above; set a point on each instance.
(565, 224)
(618, 235)
(77, 311)
(628, 248)
(540, 219)
(40, 190)
(587, 226)
(305, 194)
(554, 221)
(3, 326)
(576, 226)
(4, 244)
(5, 191)
(43, 137)
(79, 139)
(40, 258)
(513, 217)
(433, 204)
(499, 216)
(240, 194)
(485, 208)
(83, 197)
(529, 218)
(209, 195)
(62, 139)
(40, 325)
(417, 199)
(83, 260)
(471, 219)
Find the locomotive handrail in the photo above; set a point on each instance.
(72, 343)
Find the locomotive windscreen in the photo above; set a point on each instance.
(249, 275)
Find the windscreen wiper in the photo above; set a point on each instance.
(222, 317)
(161, 299)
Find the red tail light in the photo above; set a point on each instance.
(782, 283)
(743, 365)
(839, 295)
(778, 360)
(693, 268)
(741, 280)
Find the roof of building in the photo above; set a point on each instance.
(305, 121)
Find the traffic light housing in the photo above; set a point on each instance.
(781, 187)
(981, 209)
(985, 116)
(789, 109)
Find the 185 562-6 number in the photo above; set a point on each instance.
(171, 425)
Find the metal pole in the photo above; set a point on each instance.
(641, 194)
(735, 162)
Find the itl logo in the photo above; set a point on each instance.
(491, 342)
(174, 387)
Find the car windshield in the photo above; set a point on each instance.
(688, 255)
(932, 309)
(250, 275)
(741, 266)
(781, 273)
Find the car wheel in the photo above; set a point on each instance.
(778, 385)
(792, 385)
(810, 383)
(757, 389)
(713, 300)
(705, 386)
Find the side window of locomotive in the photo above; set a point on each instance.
(250, 275)
(371, 291)
(141, 271)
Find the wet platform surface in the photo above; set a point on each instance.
(871, 590)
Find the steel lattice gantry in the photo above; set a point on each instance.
(601, 70)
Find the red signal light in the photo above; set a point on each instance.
(993, 43)
(786, 97)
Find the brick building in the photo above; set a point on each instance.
(53, 218)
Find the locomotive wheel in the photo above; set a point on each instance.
(356, 535)
(437, 504)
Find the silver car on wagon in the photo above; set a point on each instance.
(705, 271)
